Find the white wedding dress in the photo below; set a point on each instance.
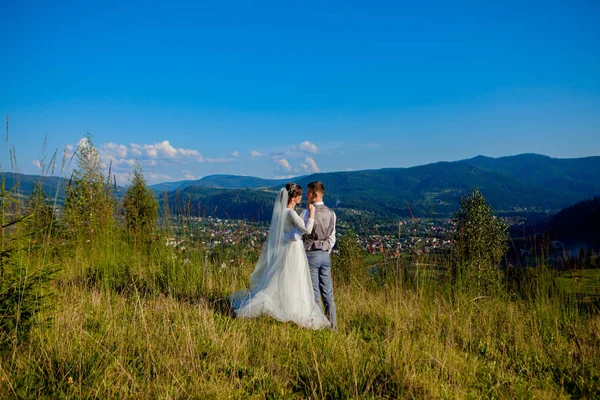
(280, 284)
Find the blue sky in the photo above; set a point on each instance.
(190, 89)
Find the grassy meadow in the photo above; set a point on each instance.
(150, 321)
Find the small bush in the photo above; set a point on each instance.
(481, 240)
(349, 262)
(140, 206)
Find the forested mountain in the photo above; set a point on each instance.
(527, 182)
(578, 224)
(168, 186)
(223, 181)
(433, 189)
(235, 182)
(578, 175)
(23, 184)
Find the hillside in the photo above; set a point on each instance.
(578, 175)
(223, 182)
(578, 224)
(433, 189)
(234, 182)
(527, 182)
(25, 184)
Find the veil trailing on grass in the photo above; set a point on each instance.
(266, 265)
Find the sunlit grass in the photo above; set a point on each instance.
(133, 324)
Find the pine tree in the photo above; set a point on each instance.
(89, 203)
(140, 205)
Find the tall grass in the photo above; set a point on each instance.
(135, 323)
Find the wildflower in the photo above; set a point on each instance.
(70, 380)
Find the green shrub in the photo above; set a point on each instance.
(481, 241)
(140, 206)
(349, 262)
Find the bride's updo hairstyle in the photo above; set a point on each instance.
(293, 190)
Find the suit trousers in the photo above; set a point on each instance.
(319, 264)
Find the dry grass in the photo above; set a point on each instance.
(126, 335)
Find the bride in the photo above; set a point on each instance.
(280, 285)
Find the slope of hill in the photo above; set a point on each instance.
(578, 224)
(581, 175)
(168, 186)
(526, 182)
(25, 183)
(234, 182)
(430, 189)
(221, 181)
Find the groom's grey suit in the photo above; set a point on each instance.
(318, 245)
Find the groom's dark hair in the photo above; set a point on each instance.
(317, 187)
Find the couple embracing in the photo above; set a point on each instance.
(293, 273)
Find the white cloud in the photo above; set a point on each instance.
(135, 149)
(167, 150)
(283, 163)
(284, 176)
(309, 147)
(191, 153)
(235, 154)
(114, 154)
(255, 153)
(310, 166)
(119, 149)
(37, 163)
(150, 150)
(187, 174)
(159, 158)
(161, 150)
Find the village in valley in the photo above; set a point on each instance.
(215, 233)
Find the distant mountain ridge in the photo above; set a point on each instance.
(574, 174)
(25, 183)
(516, 183)
(511, 184)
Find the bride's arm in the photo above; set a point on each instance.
(299, 222)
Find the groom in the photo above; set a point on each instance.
(318, 245)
